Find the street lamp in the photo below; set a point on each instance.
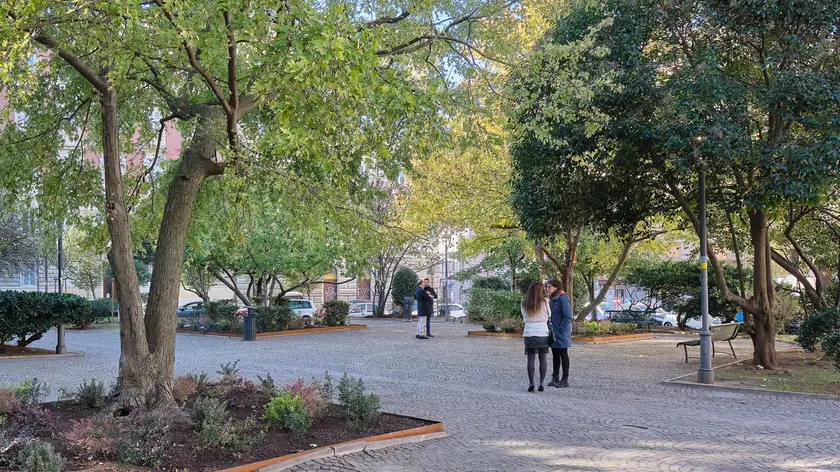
(60, 348)
(705, 375)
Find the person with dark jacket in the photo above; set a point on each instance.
(423, 309)
(561, 327)
(431, 291)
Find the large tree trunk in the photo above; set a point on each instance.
(146, 374)
(764, 341)
(134, 350)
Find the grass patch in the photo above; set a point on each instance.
(799, 372)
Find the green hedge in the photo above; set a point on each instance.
(485, 304)
(336, 312)
(274, 318)
(26, 316)
(822, 329)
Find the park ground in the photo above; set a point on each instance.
(617, 415)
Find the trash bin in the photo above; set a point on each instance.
(249, 325)
(408, 305)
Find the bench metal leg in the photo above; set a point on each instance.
(686, 353)
(733, 349)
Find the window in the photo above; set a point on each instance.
(29, 277)
(297, 304)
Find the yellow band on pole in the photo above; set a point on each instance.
(704, 266)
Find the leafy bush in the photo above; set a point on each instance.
(822, 329)
(288, 412)
(28, 315)
(336, 312)
(490, 283)
(97, 436)
(219, 311)
(92, 394)
(33, 419)
(209, 409)
(184, 387)
(311, 394)
(786, 308)
(359, 409)
(297, 323)
(229, 369)
(590, 328)
(490, 325)
(146, 436)
(513, 325)
(233, 435)
(484, 304)
(39, 456)
(404, 284)
(267, 385)
(31, 391)
(100, 309)
(273, 318)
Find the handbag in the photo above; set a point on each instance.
(550, 333)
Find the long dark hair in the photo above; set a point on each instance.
(556, 284)
(534, 300)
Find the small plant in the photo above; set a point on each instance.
(489, 325)
(236, 436)
(359, 409)
(287, 412)
(39, 456)
(229, 369)
(31, 391)
(97, 437)
(183, 388)
(146, 436)
(92, 394)
(327, 388)
(590, 328)
(9, 403)
(296, 323)
(267, 385)
(200, 382)
(311, 395)
(33, 419)
(209, 410)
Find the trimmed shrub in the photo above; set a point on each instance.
(28, 315)
(484, 304)
(822, 329)
(404, 284)
(273, 318)
(490, 283)
(490, 325)
(336, 312)
(359, 409)
(218, 311)
(39, 456)
(73, 310)
(100, 309)
(287, 412)
(513, 325)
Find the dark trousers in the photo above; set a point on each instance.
(560, 356)
(429, 325)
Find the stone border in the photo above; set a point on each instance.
(42, 356)
(496, 335)
(683, 383)
(289, 332)
(613, 339)
(407, 436)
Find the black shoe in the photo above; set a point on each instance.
(554, 381)
(531, 389)
(429, 336)
(563, 383)
(422, 337)
(417, 336)
(541, 388)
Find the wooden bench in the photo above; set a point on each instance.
(724, 332)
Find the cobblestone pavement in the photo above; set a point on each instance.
(616, 415)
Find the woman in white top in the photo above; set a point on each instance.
(536, 312)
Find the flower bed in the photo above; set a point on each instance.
(313, 329)
(215, 425)
(226, 319)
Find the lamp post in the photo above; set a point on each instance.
(705, 374)
(60, 348)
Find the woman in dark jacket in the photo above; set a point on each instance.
(561, 327)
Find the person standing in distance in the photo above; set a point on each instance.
(427, 284)
(423, 301)
(561, 326)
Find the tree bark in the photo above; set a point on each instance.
(764, 342)
(602, 293)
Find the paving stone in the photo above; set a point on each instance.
(617, 415)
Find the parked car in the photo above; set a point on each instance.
(793, 326)
(303, 308)
(455, 311)
(663, 317)
(361, 309)
(696, 323)
(191, 310)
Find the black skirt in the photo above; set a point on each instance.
(536, 344)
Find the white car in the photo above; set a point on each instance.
(361, 309)
(303, 308)
(696, 323)
(455, 311)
